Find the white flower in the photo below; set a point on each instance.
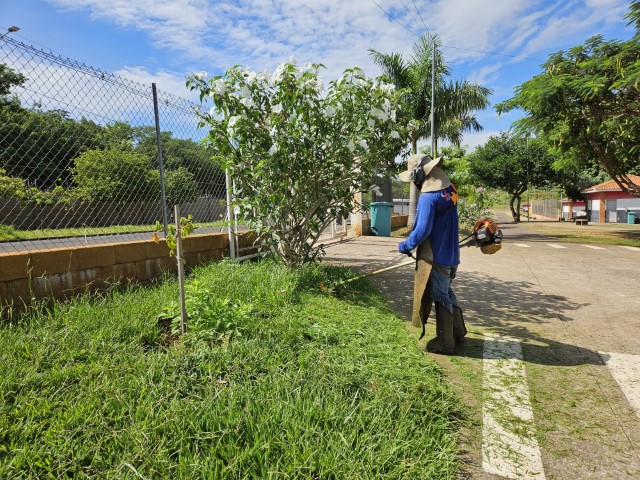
(277, 108)
(330, 111)
(247, 102)
(387, 87)
(250, 78)
(395, 134)
(279, 73)
(351, 146)
(319, 85)
(392, 114)
(200, 75)
(262, 76)
(274, 149)
(364, 144)
(273, 131)
(377, 113)
(219, 87)
(236, 210)
(231, 123)
(386, 106)
(246, 93)
(358, 73)
(371, 123)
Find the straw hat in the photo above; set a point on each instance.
(435, 179)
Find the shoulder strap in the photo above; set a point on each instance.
(454, 200)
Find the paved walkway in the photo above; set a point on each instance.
(550, 373)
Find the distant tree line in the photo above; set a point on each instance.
(47, 157)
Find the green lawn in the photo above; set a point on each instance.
(10, 234)
(594, 233)
(292, 382)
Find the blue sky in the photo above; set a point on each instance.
(163, 41)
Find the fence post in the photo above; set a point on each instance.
(160, 159)
(180, 260)
(230, 217)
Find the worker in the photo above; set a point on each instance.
(435, 235)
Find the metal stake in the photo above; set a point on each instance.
(179, 259)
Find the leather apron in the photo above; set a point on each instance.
(422, 301)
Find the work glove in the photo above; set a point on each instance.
(402, 248)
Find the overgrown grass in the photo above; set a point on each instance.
(319, 385)
(10, 234)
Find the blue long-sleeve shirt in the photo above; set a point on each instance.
(437, 220)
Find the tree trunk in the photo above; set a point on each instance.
(515, 211)
(413, 192)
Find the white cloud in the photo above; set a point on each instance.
(166, 81)
(218, 34)
(485, 75)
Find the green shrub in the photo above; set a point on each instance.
(115, 175)
(180, 186)
(11, 186)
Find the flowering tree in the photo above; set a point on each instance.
(296, 153)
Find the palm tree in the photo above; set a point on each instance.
(456, 101)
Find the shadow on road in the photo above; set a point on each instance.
(505, 309)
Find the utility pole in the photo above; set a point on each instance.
(433, 98)
(528, 184)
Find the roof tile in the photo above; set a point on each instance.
(611, 185)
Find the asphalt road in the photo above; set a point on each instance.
(572, 309)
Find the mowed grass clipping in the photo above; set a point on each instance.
(320, 385)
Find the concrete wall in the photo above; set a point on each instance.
(62, 272)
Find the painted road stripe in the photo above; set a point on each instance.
(625, 369)
(635, 249)
(523, 245)
(555, 245)
(509, 446)
(593, 247)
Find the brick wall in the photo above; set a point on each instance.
(62, 272)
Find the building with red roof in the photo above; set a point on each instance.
(607, 203)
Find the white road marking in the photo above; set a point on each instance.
(625, 369)
(523, 245)
(593, 247)
(555, 245)
(509, 446)
(635, 249)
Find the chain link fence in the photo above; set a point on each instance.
(545, 204)
(91, 157)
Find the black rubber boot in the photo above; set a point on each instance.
(444, 342)
(459, 328)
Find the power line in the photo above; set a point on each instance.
(494, 53)
(450, 46)
(425, 25)
(413, 16)
(395, 19)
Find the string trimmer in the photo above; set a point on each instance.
(486, 235)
